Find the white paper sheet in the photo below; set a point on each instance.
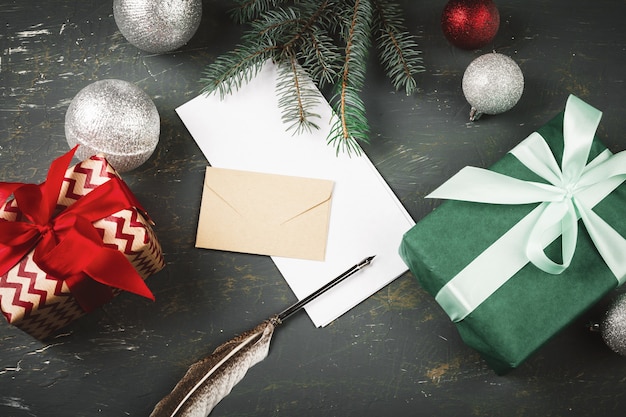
(244, 131)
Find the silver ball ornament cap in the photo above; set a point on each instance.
(157, 26)
(114, 118)
(613, 326)
(492, 84)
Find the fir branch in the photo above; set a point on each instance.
(317, 52)
(397, 49)
(297, 96)
(320, 57)
(352, 124)
(325, 42)
(279, 27)
(234, 69)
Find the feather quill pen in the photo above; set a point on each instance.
(210, 379)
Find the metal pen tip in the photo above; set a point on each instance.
(365, 262)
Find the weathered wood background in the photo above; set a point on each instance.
(396, 353)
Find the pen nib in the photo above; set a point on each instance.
(365, 262)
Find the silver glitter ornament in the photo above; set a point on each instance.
(115, 118)
(492, 84)
(157, 26)
(613, 326)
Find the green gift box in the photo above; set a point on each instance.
(507, 257)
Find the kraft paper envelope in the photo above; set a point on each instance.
(245, 131)
(265, 214)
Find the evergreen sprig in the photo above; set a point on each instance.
(351, 123)
(325, 42)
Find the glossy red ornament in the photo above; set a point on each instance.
(470, 24)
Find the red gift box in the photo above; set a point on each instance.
(70, 244)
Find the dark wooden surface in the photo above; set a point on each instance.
(394, 354)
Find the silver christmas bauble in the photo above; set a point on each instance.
(492, 84)
(157, 26)
(115, 118)
(613, 326)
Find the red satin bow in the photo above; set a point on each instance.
(67, 245)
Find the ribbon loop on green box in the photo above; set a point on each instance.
(571, 192)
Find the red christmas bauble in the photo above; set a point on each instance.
(470, 24)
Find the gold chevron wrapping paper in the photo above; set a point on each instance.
(41, 304)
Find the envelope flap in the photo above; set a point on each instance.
(273, 198)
